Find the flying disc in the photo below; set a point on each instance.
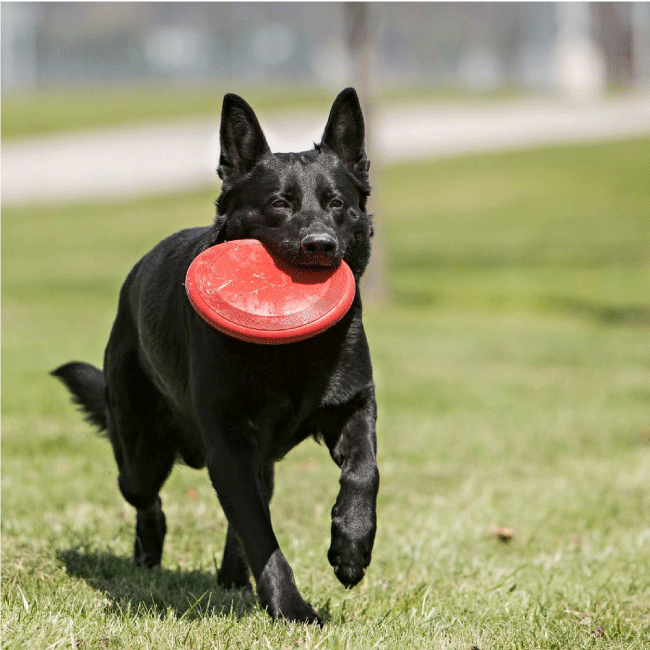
(242, 290)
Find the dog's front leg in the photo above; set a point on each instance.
(236, 473)
(354, 519)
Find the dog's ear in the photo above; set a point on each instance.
(345, 133)
(242, 140)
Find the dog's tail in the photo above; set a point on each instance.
(87, 385)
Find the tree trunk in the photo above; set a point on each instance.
(615, 37)
(359, 33)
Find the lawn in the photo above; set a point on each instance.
(513, 373)
(49, 111)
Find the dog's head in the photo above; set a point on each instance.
(309, 208)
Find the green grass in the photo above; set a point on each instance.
(54, 110)
(513, 382)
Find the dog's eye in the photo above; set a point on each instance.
(280, 204)
(336, 203)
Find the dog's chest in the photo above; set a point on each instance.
(278, 399)
(274, 427)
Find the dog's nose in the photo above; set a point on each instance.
(318, 244)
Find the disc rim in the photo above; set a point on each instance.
(259, 335)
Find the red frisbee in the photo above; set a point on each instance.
(242, 290)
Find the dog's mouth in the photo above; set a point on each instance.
(317, 261)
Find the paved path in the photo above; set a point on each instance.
(145, 159)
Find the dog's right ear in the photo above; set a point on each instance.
(242, 140)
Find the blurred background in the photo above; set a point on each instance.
(507, 304)
(480, 47)
(508, 140)
(82, 65)
(105, 100)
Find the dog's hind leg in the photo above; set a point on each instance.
(233, 573)
(140, 430)
(150, 529)
(142, 472)
(143, 468)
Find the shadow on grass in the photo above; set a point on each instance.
(133, 591)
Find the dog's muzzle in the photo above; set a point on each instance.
(319, 249)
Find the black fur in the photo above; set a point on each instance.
(87, 385)
(172, 386)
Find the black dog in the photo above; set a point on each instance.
(173, 386)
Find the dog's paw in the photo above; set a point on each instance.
(350, 553)
(279, 595)
(229, 579)
(349, 575)
(295, 610)
(144, 560)
(150, 529)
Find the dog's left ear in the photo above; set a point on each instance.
(345, 133)
(242, 140)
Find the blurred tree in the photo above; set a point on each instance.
(360, 33)
(640, 18)
(614, 33)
